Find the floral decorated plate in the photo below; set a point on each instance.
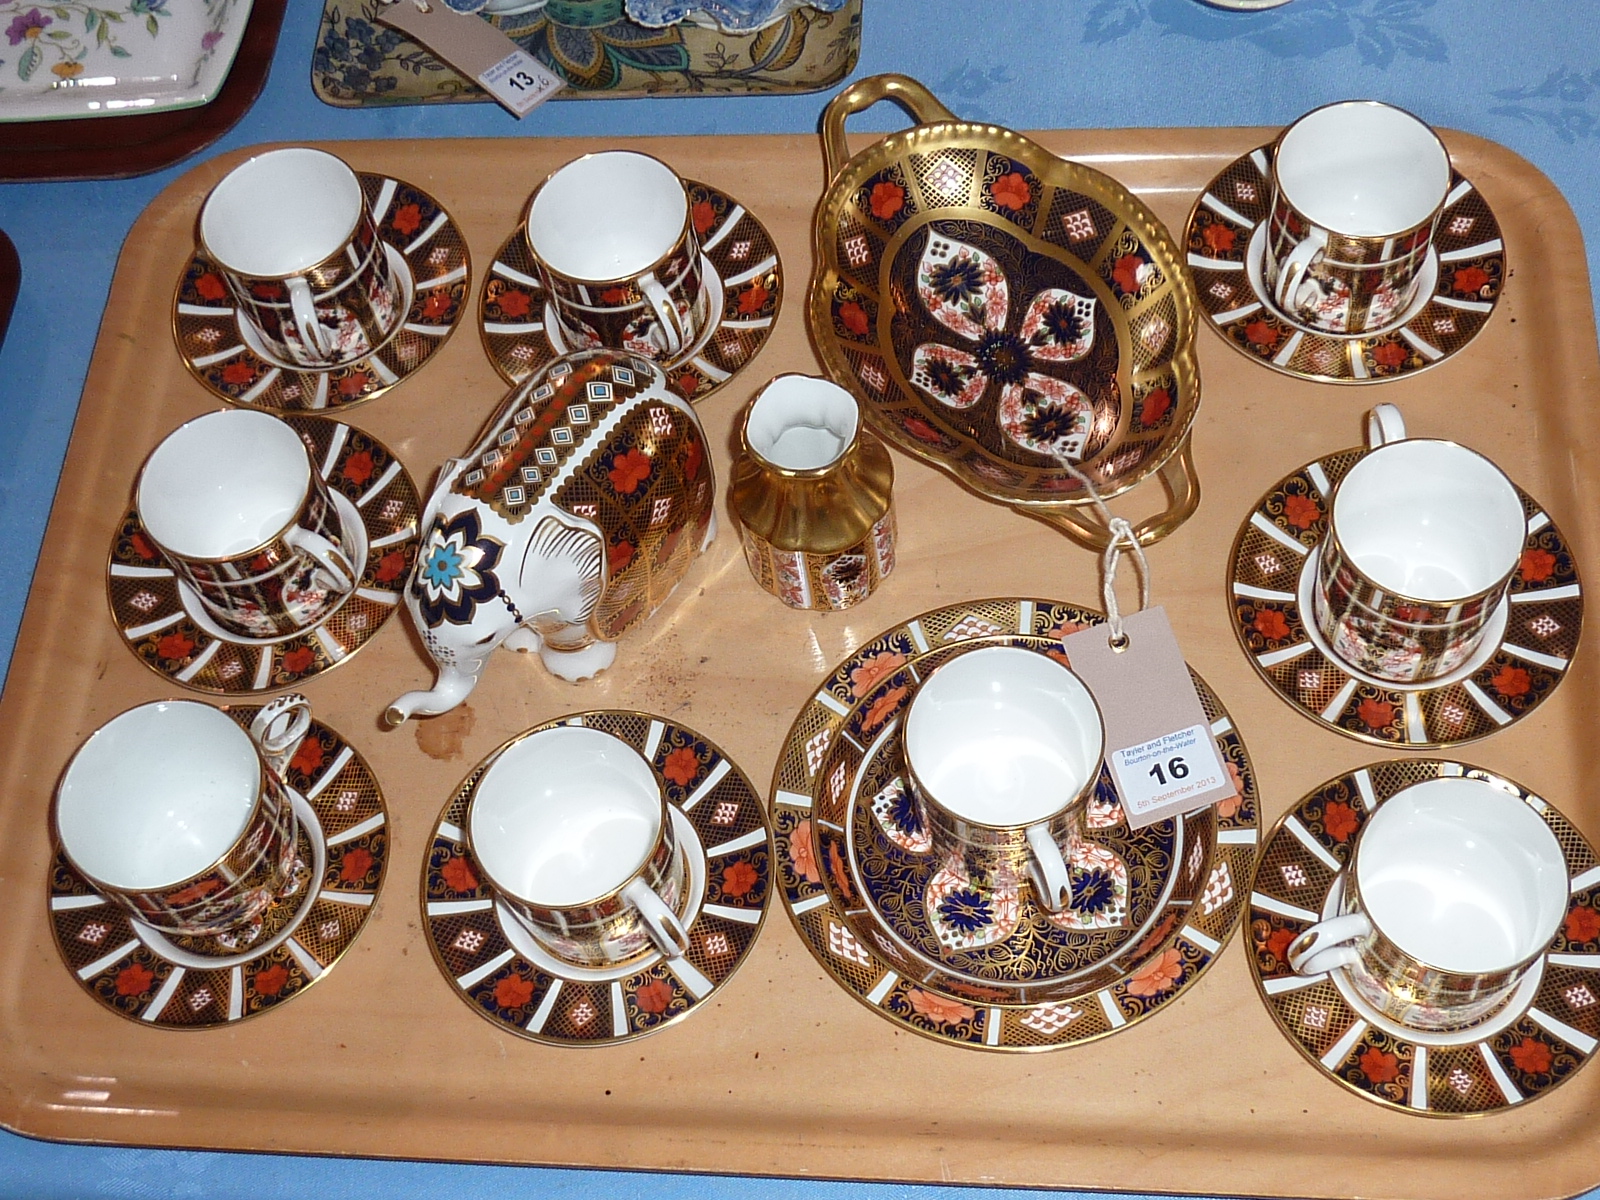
(995, 309)
(115, 57)
(970, 961)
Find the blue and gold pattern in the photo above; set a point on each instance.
(455, 571)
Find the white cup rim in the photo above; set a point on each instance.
(243, 176)
(552, 257)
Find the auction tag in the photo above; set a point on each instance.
(476, 49)
(1158, 742)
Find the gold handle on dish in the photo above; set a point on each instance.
(862, 95)
(1183, 497)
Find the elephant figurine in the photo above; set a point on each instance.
(573, 517)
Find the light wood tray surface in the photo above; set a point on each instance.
(782, 1073)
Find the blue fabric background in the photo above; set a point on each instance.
(1527, 75)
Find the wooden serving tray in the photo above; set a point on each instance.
(783, 1073)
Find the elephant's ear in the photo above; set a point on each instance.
(569, 559)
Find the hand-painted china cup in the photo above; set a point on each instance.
(174, 812)
(1423, 538)
(571, 829)
(1357, 188)
(233, 503)
(1454, 890)
(1003, 747)
(295, 239)
(616, 250)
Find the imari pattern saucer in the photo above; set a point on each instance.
(964, 961)
(433, 253)
(1271, 577)
(165, 624)
(510, 979)
(745, 279)
(1546, 1031)
(1225, 239)
(201, 983)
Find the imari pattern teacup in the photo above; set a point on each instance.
(233, 504)
(1423, 539)
(1357, 189)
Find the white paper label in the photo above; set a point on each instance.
(520, 82)
(1167, 771)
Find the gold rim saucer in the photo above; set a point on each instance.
(435, 251)
(511, 981)
(512, 312)
(827, 746)
(1510, 678)
(1470, 272)
(1540, 1040)
(154, 619)
(201, 983)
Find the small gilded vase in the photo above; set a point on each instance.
(813, 493)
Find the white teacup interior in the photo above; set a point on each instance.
(565, 816)
(281, 213)
(802, 423)
(157, 795)
(1363, 168)
(1462, 875)
(1003, 736)
(223, 484)
(1430, 520)
(607, 216)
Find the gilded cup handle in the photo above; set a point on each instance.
(862, 95)
(1385, 425)
(1326, 945)
(666, 930)
(304, 305)
(1182, 485)
(280, 727)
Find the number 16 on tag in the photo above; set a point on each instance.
(1167, 771)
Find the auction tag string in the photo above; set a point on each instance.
(1122, 535)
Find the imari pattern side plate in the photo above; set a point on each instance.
(1165, 940)
(1458, 291)
(201, 983)
(513, 981)
(1547, 1030)
(745, 280)
(425, 241)
(166, 626)
(1522, 659)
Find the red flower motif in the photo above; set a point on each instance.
(458, 874)
(514, 302)
(752, 299)
(803, 853)
(1511, 682)
(694, 453)
(237, 373)
(1219, 238)
(309, 756)
(1532, 1056)
(1125, 274)
(1469, 279)
(628, 470)
(408, 219)
(437, 305)
(614, 295)
(143, 548)
(883, 707)
(618, 556)
(1390, 354)
(1012, 191)
(1160, 974)
(922, 431)
(687, 384)
(513, 991)
(1339, 819)
(210, 286)
(1582, 924)
(1277, 944)
(267, 291)
(1271, 624)
(1378, 1065)
(739, 878)
(704, 215)
(940, 1009)
(840, 872)
(195, 891)
(298, 660)
(682, 765)
(854, 318)
(354, 383)
(270, 981)
(1155, 407)
(873, 669)
(134, 979)
(1301, 511)
(355, 865)
(1412, 612)
(358, 467)
(174, 646)
(1261, 333)
(654, 997)
(1375, 714)
(390, 567)
(887, 199)
(1228, 806)
(1536, 565)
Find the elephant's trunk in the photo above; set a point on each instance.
(453, 686)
